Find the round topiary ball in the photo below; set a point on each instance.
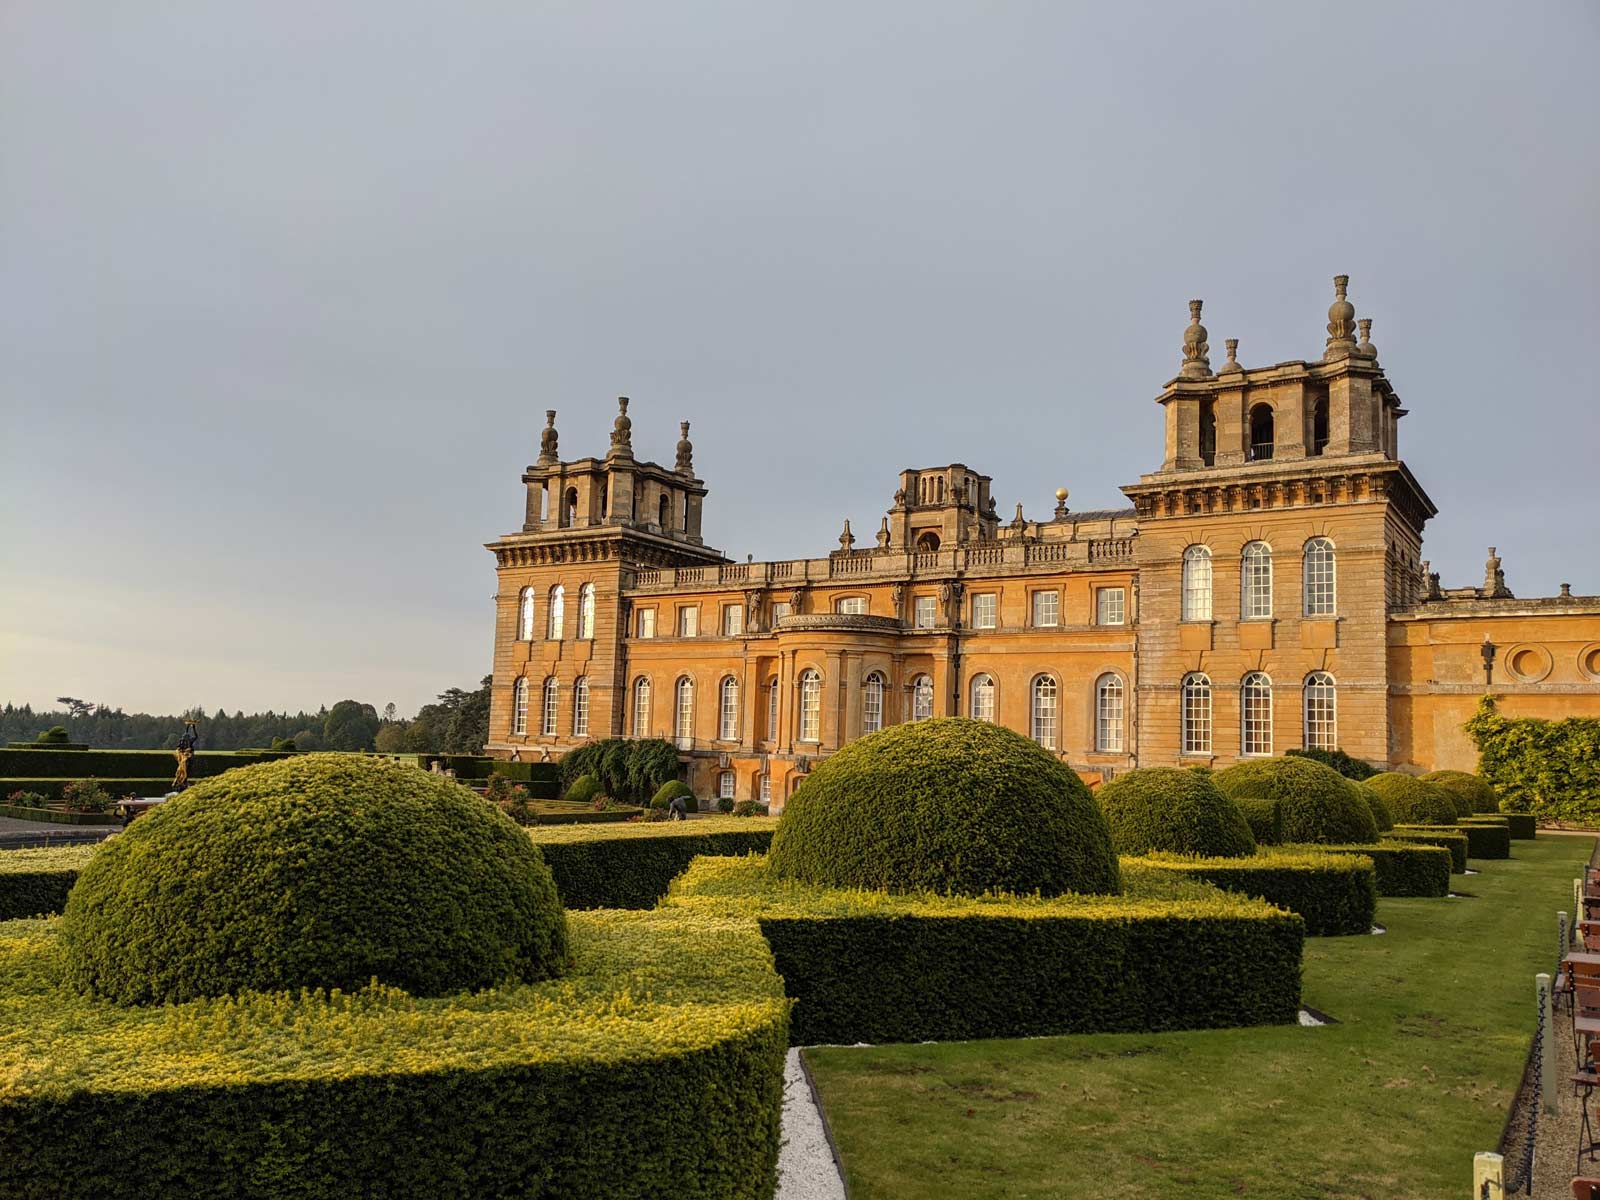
(670, 791)
(1471, 793)
(584, 789)
(1318, 804)
(320, 871)
(1172, 810)
(947, 805)
(1413, 800)
(1380, 807)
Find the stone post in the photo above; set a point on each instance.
(1563, 936)
(1488, 1176)
(1547, 1044)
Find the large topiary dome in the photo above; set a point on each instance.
(326, 871)
(1173, 810)
(1378, 805)
(948, 805)
(1413, 800)
(1471, 793)
(1318, 804)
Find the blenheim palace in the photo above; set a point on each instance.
(1264, 590)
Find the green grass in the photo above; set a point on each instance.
(1389, 1104)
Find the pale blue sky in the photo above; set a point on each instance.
(285, 289)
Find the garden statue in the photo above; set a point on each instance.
(183, 754)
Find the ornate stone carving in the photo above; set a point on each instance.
(1061, 504)
(847, 540)
(752, 612)
(796, 600)
(685, 463)
(1494, 578)
(622, 431)
(1366, 349)
(548, 454)
(1231, 367)
(1196, 364)
(883, 534)
(1341, 322)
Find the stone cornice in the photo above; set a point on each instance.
(1284, 483)
(598, 544)
(1468, 609)
(849, 622)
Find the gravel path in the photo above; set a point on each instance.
(806, 1167)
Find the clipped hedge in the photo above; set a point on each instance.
(54, 762)
(1472, 793)
(1336, 893)
(1317, 803)
(1524, 826)
(35, 882)
(1154, 810)
(1401, 868)
(575, 1087)
(1483, 840)
(1351, 768)
(631, 866)
(1449, 837)
(58, 816)
(1550, 769)
(1265, 818)
(1381, 816)
(582, 790)
(1413, 800)
(866, 966)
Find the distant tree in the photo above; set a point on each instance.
(389, 711)
(391, 739)
(307, 739)
(76, 708)
(349, 725)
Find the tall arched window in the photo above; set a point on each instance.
(1208, 432)
(810, 706)
(1110, 718)
(982, 698)
(1197, 584)
(1044, 712)
(772, 709)
(519, 706)
(1319, 575)
(641, 707)
(1321, 712)
(557, 612)
(552, 696)
(664, 514)
(921, 698)
(525, 615)
(580, 707)
(570, 508)
(1319, 425)
(1196, 714)
(683, 713)
(1255, 581)
(1261, 433)
(872, 703)
(586, 611)
(728, 710)
(1255, 711)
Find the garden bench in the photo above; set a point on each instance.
(1585, 1188)
(1582, 971)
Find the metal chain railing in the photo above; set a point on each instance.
(1519, 1178)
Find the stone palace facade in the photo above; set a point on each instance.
(1264, 590)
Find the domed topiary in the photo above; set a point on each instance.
(319, 871)
(1318, 804)
(1176, 811)
(671, 790)
(1378, 805)
(584, 789)
(1413, 800)
(1471, 793)
(948, 805)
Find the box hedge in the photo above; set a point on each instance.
(1413, 800)
(36, 882)
(57, 816)
(1265, 818)
(1336, 893)
(1483, 840)
(51, 787)
(1317, 804)
(874, 966)
(53, 762)
(1451, 837)
(1524, 826)
(631, 865)
(1169, 810)
(654, 1067)
(1401, 868)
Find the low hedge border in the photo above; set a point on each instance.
(630, 865)
(1337, 894)
(1265, 818)
(864, 966)
(56, 816)
(574, 1087)
(1524, 826)
(1448, 836)
(119, 786)
(53, 762)
(1401, 869)
(35, 882)
(1483, 841)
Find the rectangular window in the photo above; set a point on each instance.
(853, 605)
(732, 620)
(1111, 606)
(984, 610)
(1046, 609)
(780, 610)
(580, 709)
(647, 622)
(688, 622)
(927, 612)
(725, 786)
(766, 789)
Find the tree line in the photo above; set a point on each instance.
(456, 723)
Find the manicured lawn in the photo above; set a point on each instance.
(1390, 1104)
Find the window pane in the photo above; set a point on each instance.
(1044, 712)
(1108, 715)
(1045, 607)
(872, 703)
(688, 622)
(732, 620)
(984, 611)
(772, 709)
(810, 707)
(641, 708)
(921, 698)
(766, 789)
(580, 708)
(1111, 606)
(856, 605)
(647, 622)
(525, 615)
(683, 719)
(519, 707)
(586, 611)
(1319, 572)
(927, 609)
(1255, 704)
(983, 698)
(725, 785)
(548, 725)
(1321, 725)
(1196, 715)
(1255, 579)
(780, 610)
(1197, 584)
(730, 710)
(558, 608)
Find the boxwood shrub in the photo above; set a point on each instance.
(874, 966)
(1318, 804)
(575, 1087)
(1450, 837)
(1172, 810)
(1483, 840)
(1381, 816)
(630, 866)
(1265, 818)
(1413, 800)
(36, 882)
(1335, 893)
(1472, 793)
(583, 789)
(1523, 826)
(1401, 868)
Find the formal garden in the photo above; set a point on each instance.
(345, 974)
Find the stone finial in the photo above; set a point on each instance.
(1494, 578)
(1061, 504)
(1566, 591)
(1341, 322)
(883, 534)
(622, 431)
(1232, 366)
(548, 439)
(1366, 349)
(847, 540)
(1017, 522)
(685, 463)
(1195, 363)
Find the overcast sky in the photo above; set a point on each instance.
(286, 288)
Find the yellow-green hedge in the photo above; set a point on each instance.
(1483, 840)
(36, 882)
(630, 865)
(654, 1067)
(1401, 868)
(1335, 893)
(872, 966)
(1452, 837)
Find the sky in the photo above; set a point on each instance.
(285, 289)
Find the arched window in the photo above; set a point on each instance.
(586, 611)
(810, 706)
(772, 709)
(1208, 432)
(641, 707)
(664, 516)
(1321, 715)
(872, 703)
(683, 713)
(552, 696)
(1319, 425)
(728, 710)
(1255, 581)
(921, 698)
(1319, 573)
(1261, 433)
(557, 612)
(525, 615)
(725, 785)
(1255, 710)
(982, 698)
(928, 541)
(580, 707)
(519, 706)
(1196, 714)
(1044, 712)
(1197, 584)
(570, 509)
(1109, 714)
